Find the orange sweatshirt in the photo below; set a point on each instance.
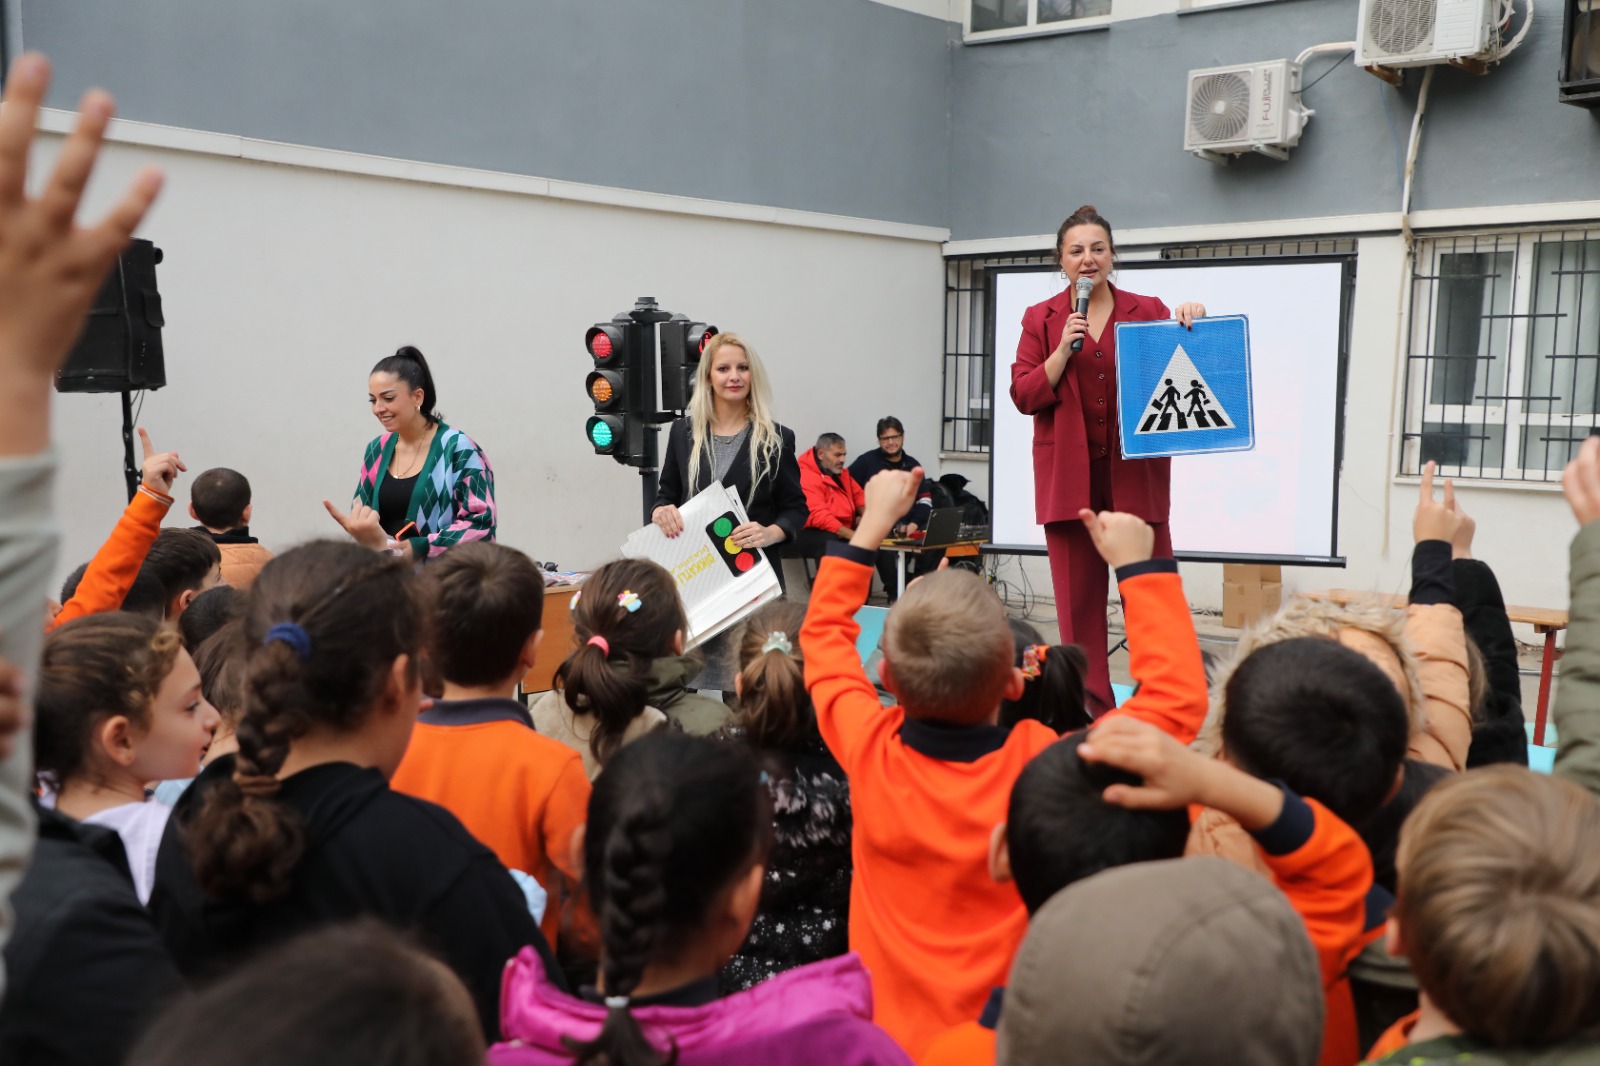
(1322, 865)
(116, 564)
(936, 932)
(969, 1044)
(519, 793)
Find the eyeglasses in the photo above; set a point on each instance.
(892, 436)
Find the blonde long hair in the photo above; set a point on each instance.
(766, 443)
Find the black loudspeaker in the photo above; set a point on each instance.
(120, 349)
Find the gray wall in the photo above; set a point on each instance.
(1044, 124)
(825, 105)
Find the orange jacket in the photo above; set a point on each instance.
(112, 570)
(519, 793)
(1322, 865)
(831, 504)
(934, 929)
(968, 1044)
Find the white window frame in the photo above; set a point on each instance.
(1032, 28)
(1505, 404)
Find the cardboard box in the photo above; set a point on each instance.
(1249, 593)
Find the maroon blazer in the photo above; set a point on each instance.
(1060, 442)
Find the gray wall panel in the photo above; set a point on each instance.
(827, 105)
(1044, 124)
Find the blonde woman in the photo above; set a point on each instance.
(729, 435)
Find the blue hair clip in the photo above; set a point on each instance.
(292, 634)
(628, 600)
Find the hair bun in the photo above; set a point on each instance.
(1086, 209)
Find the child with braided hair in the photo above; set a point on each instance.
(674, 855)
(628, 672)
(299, 828)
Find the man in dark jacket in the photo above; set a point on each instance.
(890, 454)
(86, 967)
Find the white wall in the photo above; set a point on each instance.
(283, 285)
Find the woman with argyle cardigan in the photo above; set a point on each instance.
(425, 486)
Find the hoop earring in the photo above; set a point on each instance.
(1063, 275)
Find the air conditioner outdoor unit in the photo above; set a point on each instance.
(1250, 107)
(1418, 33)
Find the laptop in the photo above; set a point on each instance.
(944, 527)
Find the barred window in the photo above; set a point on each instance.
(1501, 374)
(969, 350)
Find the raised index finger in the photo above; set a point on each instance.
(1450, 494)
(1427, 482)
(144, 442)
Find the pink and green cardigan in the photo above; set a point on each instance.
(453, 501)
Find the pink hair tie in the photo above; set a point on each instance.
(600, 642)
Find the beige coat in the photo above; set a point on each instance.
(1423, 651)
(553, 718)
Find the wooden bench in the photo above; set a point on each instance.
(1544, 621)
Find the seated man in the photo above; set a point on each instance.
(833, 497)
(890, 455)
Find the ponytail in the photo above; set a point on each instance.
(624, 619)
(322, 628)
(774, 708)
(409, 365)
(612, 694)
(1054, 692)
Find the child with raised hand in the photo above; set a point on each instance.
(299, 828)
(628, 673)
(119, 705)
(929, 777)
(674, 858)
(1052, 675)
(805, 901)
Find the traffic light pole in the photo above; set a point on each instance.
(647, 313)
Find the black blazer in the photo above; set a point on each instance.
(777, 501)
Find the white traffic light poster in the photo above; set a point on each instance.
(719, 582)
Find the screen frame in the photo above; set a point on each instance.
(1347, 286)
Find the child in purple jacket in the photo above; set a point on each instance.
(674, 856)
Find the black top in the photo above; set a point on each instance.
(369, 851)
(85, 967)
(394, 500)
(1499, 736)
(776, 500)
(236, 535)
(804, 915)
(870, 464)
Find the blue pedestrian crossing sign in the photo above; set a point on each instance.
(1184, 391)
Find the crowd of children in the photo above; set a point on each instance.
(291, 810)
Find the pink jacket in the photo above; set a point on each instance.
(813, 1014)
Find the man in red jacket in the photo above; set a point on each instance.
(833, 498)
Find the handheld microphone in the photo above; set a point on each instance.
(1085, 287)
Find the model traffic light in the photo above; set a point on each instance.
(682, 341)
(617, 387)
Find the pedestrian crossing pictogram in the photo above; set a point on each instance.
(1184, 390)
(1182, 400)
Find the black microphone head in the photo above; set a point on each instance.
(1085, 288)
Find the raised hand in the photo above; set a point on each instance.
(1581, 482)
(361, 523)
(50, 267)
(1435, 519)
(1173, 775)
(160, 469)
(1120, 538)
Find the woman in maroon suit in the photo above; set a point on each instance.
(1077, 463)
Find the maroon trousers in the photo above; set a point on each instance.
(1082, 580)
